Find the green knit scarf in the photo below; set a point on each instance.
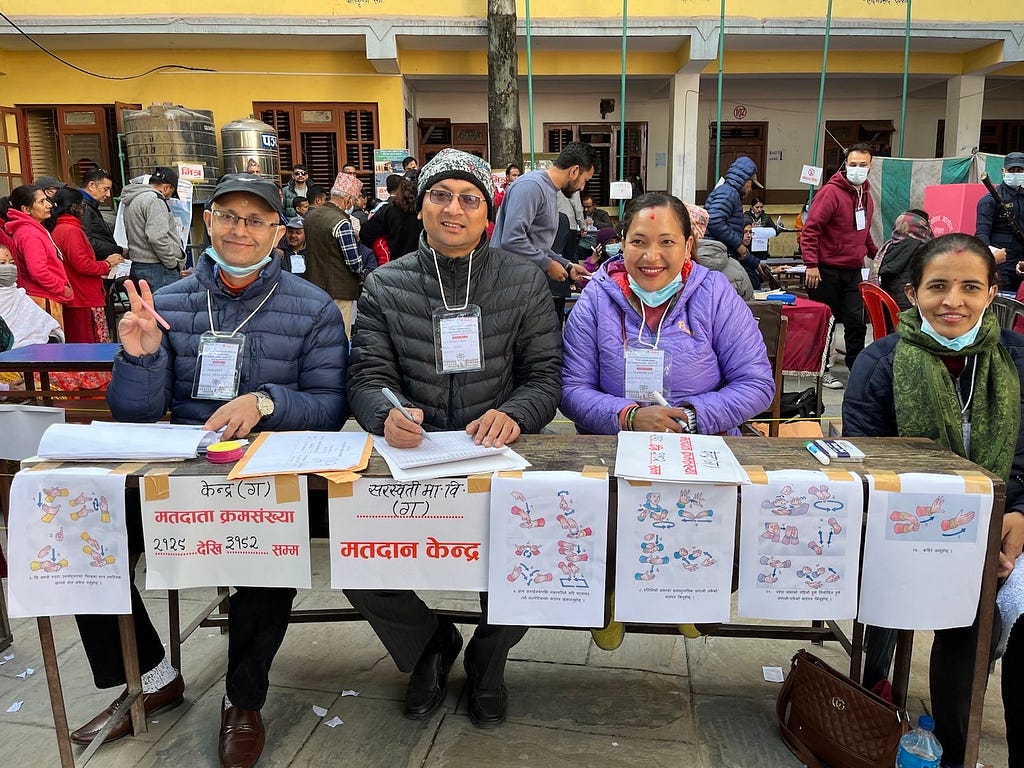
(927, 404)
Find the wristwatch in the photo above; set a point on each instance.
(264, 404)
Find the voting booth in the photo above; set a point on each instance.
(953, 207)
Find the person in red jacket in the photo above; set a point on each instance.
(40, 269)
(834, 240)
(84, 318)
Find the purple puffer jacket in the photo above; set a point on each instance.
(714, 353)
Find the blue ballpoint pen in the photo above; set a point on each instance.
(401, 408)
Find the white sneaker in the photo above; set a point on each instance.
(830, 381)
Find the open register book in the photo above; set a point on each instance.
(107, 441)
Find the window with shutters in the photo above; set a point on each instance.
(10, 155)
(604, 137)
(437, 133)
(323, 137)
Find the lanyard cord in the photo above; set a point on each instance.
(209, 311)
(643, 324)
(440, 284)
(965, 405)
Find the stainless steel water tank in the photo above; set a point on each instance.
(175, 136)
(249, 146)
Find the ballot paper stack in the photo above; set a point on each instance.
(677, 458)
(106, 441)
(447, 454)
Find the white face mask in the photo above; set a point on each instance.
(1013, 179)
(856, 174)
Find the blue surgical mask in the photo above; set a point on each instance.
(234, 271)
(1013, 179)
(856, 174)
(613, 249)
(957, 344)
(660, 296)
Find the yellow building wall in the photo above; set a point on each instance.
(931, 10)
(241, 77)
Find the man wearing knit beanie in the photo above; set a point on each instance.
(467, 339)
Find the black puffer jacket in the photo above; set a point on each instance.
(393, 342)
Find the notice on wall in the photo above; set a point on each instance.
(924, 550)
(68, 543)
(385, 163)
(413, 534)
(211, 531)
(674, 552)
(548, 548)
(800, 545)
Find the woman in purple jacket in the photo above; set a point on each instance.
(656, 324)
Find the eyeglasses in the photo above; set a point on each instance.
(258, 226)
(299, 173)
(443, 197)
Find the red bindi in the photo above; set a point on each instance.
(652, 217)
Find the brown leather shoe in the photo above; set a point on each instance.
(161, 700)
(241, 737)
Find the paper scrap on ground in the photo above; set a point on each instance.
(548, 539)
(68, 543)
(26, 674)
(678, 457)
(9, 657)
(319, 711)
(773, 674)
(350, 693)
(800, 545)
(334, 722)
(917, 539)
(290, 453)
(674, 552)
(16, 706)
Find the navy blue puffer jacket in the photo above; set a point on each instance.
(295, 351)
(725, 205)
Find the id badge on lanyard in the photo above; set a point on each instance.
(458, 340)
(219, 366)
(645, 374)
(859, 217)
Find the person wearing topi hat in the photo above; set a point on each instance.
(281, 337)
(333, 260)
(49, 185)
(993, 228)
(467, 338)
(151, 229)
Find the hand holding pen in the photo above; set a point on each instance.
(682, 420)
(402, 427)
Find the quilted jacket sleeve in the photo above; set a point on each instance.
(723, 206)
(140, 387)
(374, 362)
(869, 409)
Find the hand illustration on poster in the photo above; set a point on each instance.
(925, 517)
(674, 552)
(68, 543)
(799, 546)
(548, 544)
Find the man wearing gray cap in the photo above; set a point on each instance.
(282, 338)
(293, 254)
(49, 185)
(152, 230)
(992, 226)
(467, 338)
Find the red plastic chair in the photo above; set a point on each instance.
(882, 309)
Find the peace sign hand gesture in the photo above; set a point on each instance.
(138, 330)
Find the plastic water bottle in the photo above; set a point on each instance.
(920, 748)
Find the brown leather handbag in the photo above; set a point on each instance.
(826, 719)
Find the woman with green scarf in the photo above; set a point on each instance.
(950, 374)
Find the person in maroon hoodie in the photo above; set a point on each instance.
(833, 243)
(84, 318)
(40, 269)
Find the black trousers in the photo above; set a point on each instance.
(405, 625)
(950, 677)
(840, 290)
(257, 623)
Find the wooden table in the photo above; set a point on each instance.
(573, 452)
(44, 359)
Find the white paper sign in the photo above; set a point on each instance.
(674, 552)
(675, 456)
(810, 174)
(68, 543)
(391, 534)
(209, 531)
(924, 551)
(800, 546)
(620, 190)
(548, 549)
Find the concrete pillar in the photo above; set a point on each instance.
(683, 147)
(965, 100)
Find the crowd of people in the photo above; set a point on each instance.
(339, 297)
